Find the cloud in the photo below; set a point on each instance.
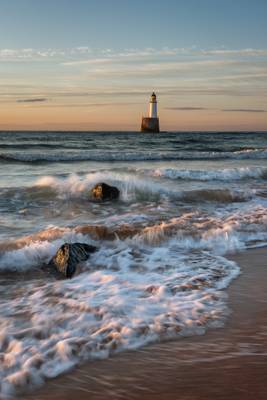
(208, 69)
(236, 53)
(82, 50)
(186, 108)
(77, 54)
(33, 100)
(30, 54)
(128, 56)
(160, 68)
(127, 92)
(146, 59)
(251, 110)
(89, 105)
(92, 61)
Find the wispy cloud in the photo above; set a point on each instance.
(159, 69)
(117, 92)
(73, 55)
(86, 77)
(186, 108)
(237, 53)
(32, 100)
(89, 105)
(91, 61)
(30, 54)
(245, 110)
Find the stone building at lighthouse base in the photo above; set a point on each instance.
(150, 125)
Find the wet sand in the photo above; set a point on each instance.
(227, 363)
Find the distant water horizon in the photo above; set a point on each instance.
(131, 131)
(33, 146)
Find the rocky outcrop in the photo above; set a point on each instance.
(103, 191)
(69, 255)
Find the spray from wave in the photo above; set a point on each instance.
(132, 189)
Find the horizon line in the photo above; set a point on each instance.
(133, 131)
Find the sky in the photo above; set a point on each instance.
(92, 64)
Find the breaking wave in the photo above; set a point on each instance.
(132, 189)
(149, 281)
(226, 174)
(189, 231)
(162, 281)
(83, 155)
(160, 269)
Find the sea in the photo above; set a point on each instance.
(160, 272)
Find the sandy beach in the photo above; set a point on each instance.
(227, 363)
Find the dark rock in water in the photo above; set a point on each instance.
(103, 191)
(69, 255)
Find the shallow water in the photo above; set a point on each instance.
(160, 271)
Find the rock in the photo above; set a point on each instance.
(69, 255)
(103, 191)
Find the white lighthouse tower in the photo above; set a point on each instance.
(151, 123)
(153, 106)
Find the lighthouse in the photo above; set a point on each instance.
(153, 106)
(151, 123)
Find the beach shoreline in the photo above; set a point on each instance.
(225, 363)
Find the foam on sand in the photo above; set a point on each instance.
(162, 281)
(128, 296)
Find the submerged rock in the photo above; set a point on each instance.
(69, 255)
(103, 191)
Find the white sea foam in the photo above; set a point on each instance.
(134, 188)
(129, 296)
(226, 174)
(130, 186)
(37, 253)
(164, 282)
(193, 230)
(160, 270)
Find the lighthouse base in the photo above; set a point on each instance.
(150, 125)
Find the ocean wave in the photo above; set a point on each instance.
(226, 174)
(147, 282)
(160, 270)
(76, 187)
(96, 155)
(132, 189)
(191, 230)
